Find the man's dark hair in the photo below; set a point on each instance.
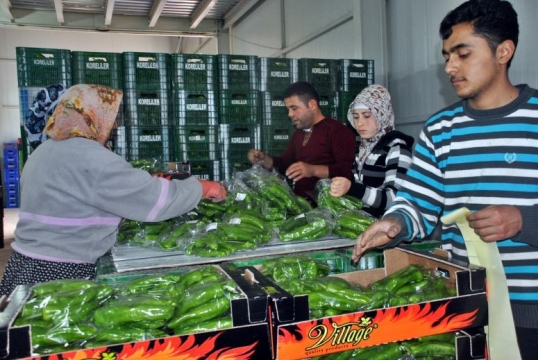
(303, 90)
(494, 20)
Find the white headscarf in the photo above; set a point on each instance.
(377, 99)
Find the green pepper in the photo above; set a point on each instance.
(311, 231)
(209, 325)
(201, 313)
(325, 300)
(145, 309)
(433, 348)
(61, 335)
(198, 295)
(399, 278)
(192, 277)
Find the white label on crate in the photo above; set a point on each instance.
(277, 103)
(281, 137)
(359, 75)
(202, 176)
(150, 138)
(190, 66)
(43, 62)
(153, 102)
(146, 65)
(320, 70)
(240, 196)
(240, 140)
(197, 107)
(323, 103)
(239, 102)
(242, 67)
(281, 74)
(197, 138)
(97, 65)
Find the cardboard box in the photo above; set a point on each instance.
(328, 335)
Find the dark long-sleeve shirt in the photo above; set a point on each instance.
(331, 143)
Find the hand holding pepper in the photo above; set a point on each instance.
(213, 190)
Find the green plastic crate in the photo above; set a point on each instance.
(276, 74)
(233, 164)
(355, 75)
(43, 67)
(274, 111)
(196, 142)
(99, 68)
(146, 107)
(194, 72)
(276, 138)
(239, 107)
(322, 73)
(236, 140)
(148, 142)
(206, 170)
(327, 104)
(194, 107)
(146, 71)
(238, 72)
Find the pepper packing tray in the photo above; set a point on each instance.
(466, 310)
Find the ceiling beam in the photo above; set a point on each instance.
(4, 8)
(155, 13)
(59, 11)
(109, 10)
(201, 12)
(240, 9)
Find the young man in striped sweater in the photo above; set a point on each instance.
(480, 153)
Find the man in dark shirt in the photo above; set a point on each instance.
(320, 148)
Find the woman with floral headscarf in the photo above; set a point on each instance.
(384, 154)
(75, 192)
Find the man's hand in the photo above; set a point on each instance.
(496, 222)
(340, 186)
(300, 170)
(256, 156)
(378, 234)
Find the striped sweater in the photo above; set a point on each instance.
(476, 158)
(380, 177)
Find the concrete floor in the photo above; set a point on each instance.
(11, 216)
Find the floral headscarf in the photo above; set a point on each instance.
(377, 99)
(87, 111)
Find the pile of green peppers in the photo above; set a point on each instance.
(75, 314)
(330, 296)
(285, 269)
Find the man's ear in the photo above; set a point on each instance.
(505, 51)
(312, 104)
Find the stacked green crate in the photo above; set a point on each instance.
(146, 106)
(277, 127)
(43, 75)
(235, 140)
(195, 113)
(322, 74)
(239, 111)
(276, 74)
(238, 72)
(353, 76)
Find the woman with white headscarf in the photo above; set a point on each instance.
(384, 154)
